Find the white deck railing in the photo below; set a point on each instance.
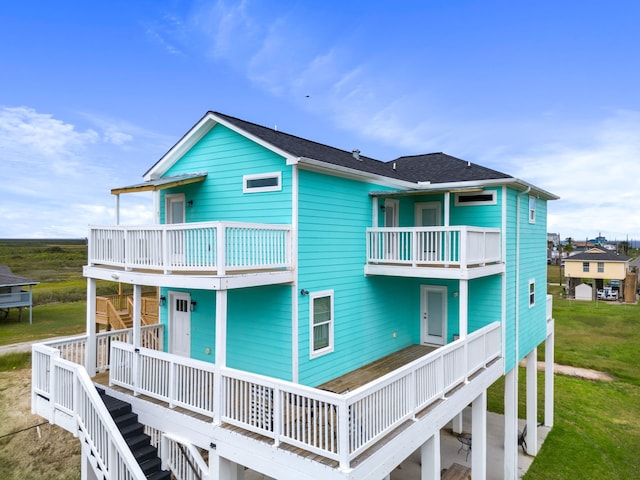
(335, 426)
(208, 246)
(63, 393)
(459, 246)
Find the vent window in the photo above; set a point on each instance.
(487, 197)
(265, 182)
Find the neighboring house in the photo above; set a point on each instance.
(599, 264)
(284, 267)
(15, 292)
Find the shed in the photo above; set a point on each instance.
(584, 292)
(13, 293)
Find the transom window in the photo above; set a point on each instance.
(486, 197)
(262, 182)
(321, 316)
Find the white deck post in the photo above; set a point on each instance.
(221, 468)
(479, 437)
(511, 424)
(92, 344)
(532, 402)
(137, 314)
(430, 458)
(549, 379)
(221, 353)
(456, 423)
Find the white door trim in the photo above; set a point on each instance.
(425, 336)
(179, 323)
(437, 206)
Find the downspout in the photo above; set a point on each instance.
(295, 374)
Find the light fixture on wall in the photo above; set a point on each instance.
(190, 203)
(304, 292)
(193, 305)
(162, 300)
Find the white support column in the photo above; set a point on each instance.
(117, 209)
(137, 315)
(456, 423)
(221, 353)
(479, 437)
(463, 298)
(532, 402)
(86, 469)
(511, 424)
(430, 458)
(549, 379)
(222, 469)
(92, 344)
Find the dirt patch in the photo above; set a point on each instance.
(46, 452)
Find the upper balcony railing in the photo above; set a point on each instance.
(457, 246)
(207, 247)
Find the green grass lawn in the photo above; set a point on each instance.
(596, 434)
(52, 320)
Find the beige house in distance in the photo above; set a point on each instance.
(600, 265)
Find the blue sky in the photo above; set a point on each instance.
(93, 93)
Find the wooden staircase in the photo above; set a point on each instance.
(115, 312)
(133, 432)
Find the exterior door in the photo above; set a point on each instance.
(174, 213)
(433, 314)
(430, 244)
(180, 324)
(391, 240)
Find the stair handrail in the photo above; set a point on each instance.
(201, 469)
(86, 396)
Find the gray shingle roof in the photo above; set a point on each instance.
(600, 256)
(8, 279)
(434, 167)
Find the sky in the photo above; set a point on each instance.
(93, 93)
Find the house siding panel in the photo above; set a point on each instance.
(227, 157)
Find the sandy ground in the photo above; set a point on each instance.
(46, 452)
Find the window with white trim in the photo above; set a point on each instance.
(532, 209)
(486, 197)
(585, 267)
(532, 293)
(600, 267)
(321, 322)
(262, 182)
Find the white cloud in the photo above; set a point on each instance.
(55, 176)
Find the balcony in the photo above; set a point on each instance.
(212, 255)
(340, 431)
(458, 252)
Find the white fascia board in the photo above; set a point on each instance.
(515, 182)
(351, 173)
(195, 134)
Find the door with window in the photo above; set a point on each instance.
(174, 213)
(180, 324)
(433, 314)
(430, 244)
(391, 239)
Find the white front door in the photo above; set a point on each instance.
(427, 214)
(180, 324)
(433, 314)
(391, 239)
(174, 213)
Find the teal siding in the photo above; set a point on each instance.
(485, 302)
(531, 328)
(227, 156)
(259, 330)
(487, 216)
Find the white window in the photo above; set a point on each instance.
(262, 182)
(486, 197)
(600, 267)
(532, 209)
(321, 326)
(585, 267)
(532, 293)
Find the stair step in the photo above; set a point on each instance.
(138, 441)
(126, 419)
(131, 430)
(145, 453)
(151, 466)
(161, 475)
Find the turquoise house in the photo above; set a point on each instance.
(322, 313)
